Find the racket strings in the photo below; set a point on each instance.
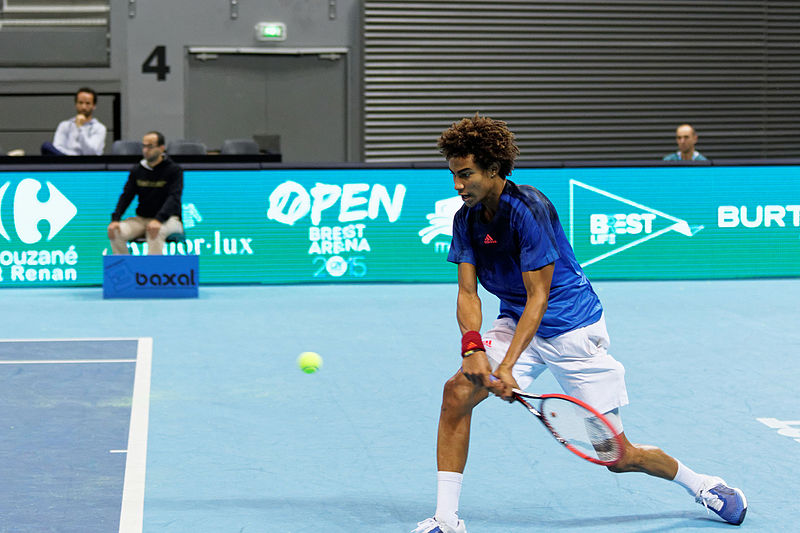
(602, 439)
(579, 428)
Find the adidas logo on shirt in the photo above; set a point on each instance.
(489, 240)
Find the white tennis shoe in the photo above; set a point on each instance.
(728, 502)
(431, 525)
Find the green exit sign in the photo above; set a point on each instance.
(271, 31)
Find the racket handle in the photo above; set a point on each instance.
(495, 378)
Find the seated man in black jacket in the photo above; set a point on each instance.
(158, 181)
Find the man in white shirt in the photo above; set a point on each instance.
(81, 134)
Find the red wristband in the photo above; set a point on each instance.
(471, 342)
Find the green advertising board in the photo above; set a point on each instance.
(367, 224)
(680, 222)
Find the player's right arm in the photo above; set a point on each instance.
(476, 366)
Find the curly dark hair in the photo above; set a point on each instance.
(489, 141)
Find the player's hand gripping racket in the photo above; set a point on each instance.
(578, 426)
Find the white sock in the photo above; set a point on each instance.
(689, 479)
(447, 496)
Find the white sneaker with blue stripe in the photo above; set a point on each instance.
(431, 525)
(728, 502)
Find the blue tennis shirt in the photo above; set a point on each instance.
(525, 234)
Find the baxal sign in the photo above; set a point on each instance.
(150, 276)
(623, 224)
(29, 211)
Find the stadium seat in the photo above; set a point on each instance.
(268, 143)
(239, 147)
(123, 147)
(184, 147)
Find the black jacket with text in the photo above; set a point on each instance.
(159, 190)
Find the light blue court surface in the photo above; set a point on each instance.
(240, 440)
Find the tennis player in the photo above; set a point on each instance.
(509, 237)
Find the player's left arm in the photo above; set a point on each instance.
(475, 367)
(537, 288)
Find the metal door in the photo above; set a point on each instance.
(298, 95)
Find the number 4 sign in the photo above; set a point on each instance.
(156, 63)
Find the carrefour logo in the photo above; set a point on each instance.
(57, 210)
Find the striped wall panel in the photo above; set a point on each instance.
(584, 80)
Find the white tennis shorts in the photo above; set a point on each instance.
(578, 359)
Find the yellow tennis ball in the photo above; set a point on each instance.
(309, 362)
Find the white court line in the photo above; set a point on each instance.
(74, 340)
(64, 361)
(132, 513)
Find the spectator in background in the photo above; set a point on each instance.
(81, 134)
(158, 181)
(686, 136)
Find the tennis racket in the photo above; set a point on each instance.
(578, 426)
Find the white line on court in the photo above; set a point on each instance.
(117, 451)
(64, 361)
(74, 340)
(132, 513)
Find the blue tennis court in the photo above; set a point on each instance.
(74, 415)
(238, 439)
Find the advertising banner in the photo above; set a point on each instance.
(684, 223)
(150, 276)
(394, 224)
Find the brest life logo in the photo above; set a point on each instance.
(631, 220)
(628, 225)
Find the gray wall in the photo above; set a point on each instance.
(148, 103)
(584, 79)
(378, 81)
(22, 122)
